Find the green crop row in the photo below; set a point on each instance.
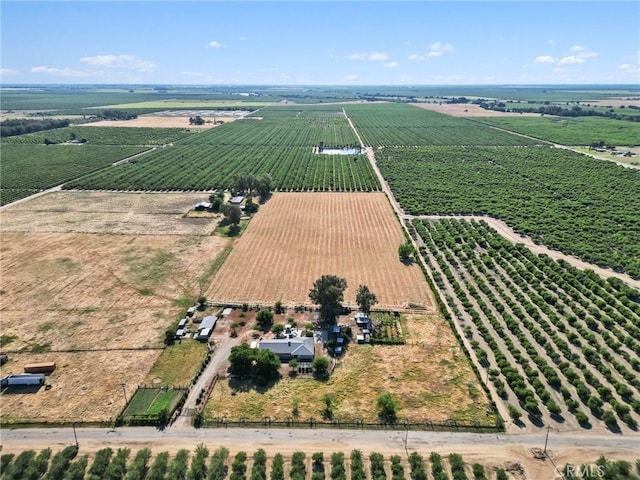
(205, 167)
(400, 124)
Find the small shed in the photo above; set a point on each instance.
(202, 206)
(227, 311)
(183, 322)
(204, 334)
(337, 350)
(42, 367)
(335, 330)
(180, 333)
(237, 200)
(191, 311)
(360, 338)
(340, 340)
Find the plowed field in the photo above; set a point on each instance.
(296, 238)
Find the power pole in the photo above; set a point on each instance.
(124, 391)
(73, 425)
(546, 440)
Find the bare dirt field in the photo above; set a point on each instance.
(156, 121)
(469, 110)
(83, 299)
(297, 237)
(108, 212)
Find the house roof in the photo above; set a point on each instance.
(285, 346)
(208, 322)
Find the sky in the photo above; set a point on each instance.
(320, 43)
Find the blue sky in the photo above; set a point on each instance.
(316, 43)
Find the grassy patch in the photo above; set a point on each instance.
(177, 364)
(152, 401)
(215, 265)
(6, 340)
(46, 326)
(223, 230)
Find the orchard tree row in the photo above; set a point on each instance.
(559, 198)
(542, 341)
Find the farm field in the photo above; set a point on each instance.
(560, 345)
(280, 142)
(157, 122)
(109, 212)
(103, 135)
(393, 124)
(593, 222)
(427, 376)
(297, 237)
(98, 298)
(29, 168)
(571, 130)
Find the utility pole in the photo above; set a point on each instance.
(73, 425)
(406, 436)
(546, 440)
(124, 391)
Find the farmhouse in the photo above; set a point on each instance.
(300, 348)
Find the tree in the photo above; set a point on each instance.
(250, 207)
(320, 365)
(387, 407)
(232, 214)
(277, 329)
(263, 187)
(241, 359)
(405, 251)
(328, 293)
(264, 318)
(265, 366)
(365, 299)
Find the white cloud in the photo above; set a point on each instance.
(391, 65)
(351, 78)
(570, 60)
(441, 47)
(8, 71)
(214, 44)
(62, 72)
(434, 50)
(577, 48)
(373, 56)
(129, 62)
(545, 59)
(551, 42)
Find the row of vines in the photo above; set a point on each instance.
(556, 342)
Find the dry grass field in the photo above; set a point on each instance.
(108, 212)
(97, 292)
(297, 237)
(156, 121)
(429, 377)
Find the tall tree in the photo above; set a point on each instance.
(365, 299)
(328, 293)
